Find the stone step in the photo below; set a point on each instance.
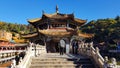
(53, 66)
(61, 62)
(83, 66)
(48, 59)
(52, 62)
(83, 63)
(54, 56)
(84, 59)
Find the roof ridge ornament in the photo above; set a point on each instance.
(57, 9)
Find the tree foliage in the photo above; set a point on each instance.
(16, 28)
(104, 29)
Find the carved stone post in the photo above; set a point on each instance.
(105, 62)
(86, 47)
(90, 47)
(13, 64)
(20, 60)
(35, 50)
(6, 54)
(67, 46)
(97, 53)
(114, 63)
(0, 55)
(83, 46)
(97, 50)
(79, 48)
(11, 54)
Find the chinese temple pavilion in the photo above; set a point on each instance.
(51, 28)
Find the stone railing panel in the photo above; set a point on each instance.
(6, 55)
(89, 50)
(33, 50)
(27, 59)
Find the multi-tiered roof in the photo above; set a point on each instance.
(57, 17)
(56, 25)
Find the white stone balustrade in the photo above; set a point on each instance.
(10, 51)
(87, 49)
(6, 55)
(24, 63)
(113, 64)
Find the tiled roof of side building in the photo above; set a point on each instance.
(29, 35)
(34, 20)
(4, 39)
(85, 35)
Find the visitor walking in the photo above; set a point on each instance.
(17, 58)
(73, 47)
(22, 54)
(62, 46)
(76, 47)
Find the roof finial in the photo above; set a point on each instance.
(57, 9)
(73, 12)
(43, 12)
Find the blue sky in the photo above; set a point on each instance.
(18, 11)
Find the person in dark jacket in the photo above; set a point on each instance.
(76, 47)
(22, 54)
(17, 58)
